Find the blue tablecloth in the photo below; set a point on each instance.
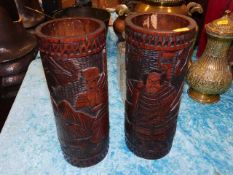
(203, 143)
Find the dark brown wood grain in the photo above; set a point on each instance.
(156, 64)
(76, 73)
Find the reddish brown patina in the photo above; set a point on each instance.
(158, 47)
(74, 59)
(17, 50)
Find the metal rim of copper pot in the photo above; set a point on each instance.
(191, 24)
(19, 22)
(75, 38)
(105, 15)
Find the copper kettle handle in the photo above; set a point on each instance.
(122, 10)
(125, 9)
(194, 7)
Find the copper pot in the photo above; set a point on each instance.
(96, 13)
(28, 12)
(167, 6)
(10, 7)
(18, 48)
(119, 24)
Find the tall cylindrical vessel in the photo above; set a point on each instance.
(158, 46)
(74, 60)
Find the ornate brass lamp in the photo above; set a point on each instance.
(210, 76)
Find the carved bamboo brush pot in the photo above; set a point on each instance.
(74, 60)
(157, 51)
(211, 76)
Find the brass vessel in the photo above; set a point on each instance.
(169, 6)
(163, 6)
(210, 76)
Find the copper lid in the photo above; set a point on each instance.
(222, 27)
(15, 42)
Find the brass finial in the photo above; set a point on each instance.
(227, 12)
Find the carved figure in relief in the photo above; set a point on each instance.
(167, 63)
(153, 82)
(174, 64)
(151, 101)
(93, 96)
(156, 63)
(87, 120)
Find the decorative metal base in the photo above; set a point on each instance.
(203, 98)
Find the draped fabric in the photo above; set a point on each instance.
(215, 10)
